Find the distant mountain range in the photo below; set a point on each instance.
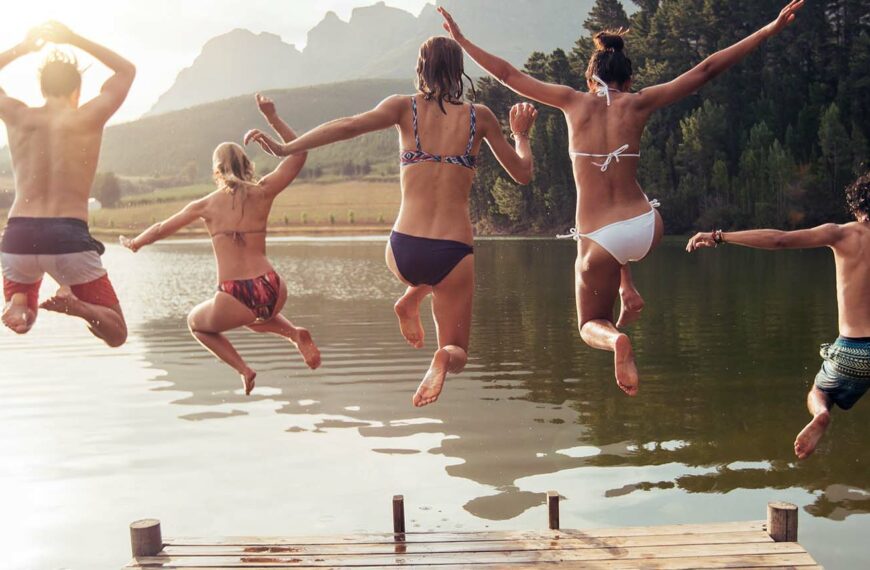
(165, 144)
(377, 42)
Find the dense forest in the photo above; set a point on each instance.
(773, 142)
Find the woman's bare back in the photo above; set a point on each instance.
(237, 223)
(435, 194)
(605, 197)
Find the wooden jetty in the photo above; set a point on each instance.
(759, 544)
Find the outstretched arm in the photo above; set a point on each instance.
(115, 89)
(551, 94)
(31, 43)
(826, 235)
(659, 96)
(517, 161)
(167, 227)
(386, 114)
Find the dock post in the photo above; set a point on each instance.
(145, 537)
(782, 522)
(398, 514)
(553, 507)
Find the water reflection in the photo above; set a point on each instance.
(727, 347)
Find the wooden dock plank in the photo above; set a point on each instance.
(410, 537)
(790, 560)
(752, 552)
(573, 542)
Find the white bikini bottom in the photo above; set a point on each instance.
(626, 240)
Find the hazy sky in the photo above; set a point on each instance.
(160, 36)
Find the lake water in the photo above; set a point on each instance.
(94, 438)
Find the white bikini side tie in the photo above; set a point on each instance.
(572, 234)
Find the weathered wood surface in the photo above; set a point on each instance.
(726, 545)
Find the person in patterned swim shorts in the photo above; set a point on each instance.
(845, 374)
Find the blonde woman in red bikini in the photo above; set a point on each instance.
(249, 293)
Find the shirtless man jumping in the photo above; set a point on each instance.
(845, 373)
(55, 149)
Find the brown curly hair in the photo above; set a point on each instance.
(858, 197)
(441, 71)
(609, 61)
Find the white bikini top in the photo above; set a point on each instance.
(604, 91)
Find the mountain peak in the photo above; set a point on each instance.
(378, 41)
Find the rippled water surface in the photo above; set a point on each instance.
(93, 438)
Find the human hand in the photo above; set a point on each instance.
(128, 243)
(786, 16)
(266, 105)
(701, 239)
(450, 25)
(33, 41)
(55, 32)
(522, 118)
(268, 144)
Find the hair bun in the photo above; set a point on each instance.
(610, 40)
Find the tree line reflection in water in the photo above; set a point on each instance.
(727, 347)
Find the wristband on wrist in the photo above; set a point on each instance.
(519, 134)
(718, 237)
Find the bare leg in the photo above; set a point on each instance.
(819, 405)
(17, 316)
(598, 278)
(451, 307)
(208, 320)
(408, 311)
(300, 337)
(632, 302)
(106, 323)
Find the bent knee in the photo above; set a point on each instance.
(117, 341)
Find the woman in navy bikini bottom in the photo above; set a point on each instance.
(249, 293)
(430, 249)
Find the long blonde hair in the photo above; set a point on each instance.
(233, 171)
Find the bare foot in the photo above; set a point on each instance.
(809, 437)
(409, 321)
(17, 315)
(432, 384)
(306, 347)
(63, 302)
(248, 377)
(626, 369)
(632, 305)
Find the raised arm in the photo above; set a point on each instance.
(826, 235)
(267, 109)
(115, 89)
(659, 96)
(385, 115)
(167, 227)
(31, 43)
(551, 94)
(517, 161)
(288, 169)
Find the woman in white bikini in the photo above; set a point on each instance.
(250, 293)
(616, 222)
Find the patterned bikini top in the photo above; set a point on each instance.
(468, 160)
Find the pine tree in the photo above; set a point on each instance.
(606, 15)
